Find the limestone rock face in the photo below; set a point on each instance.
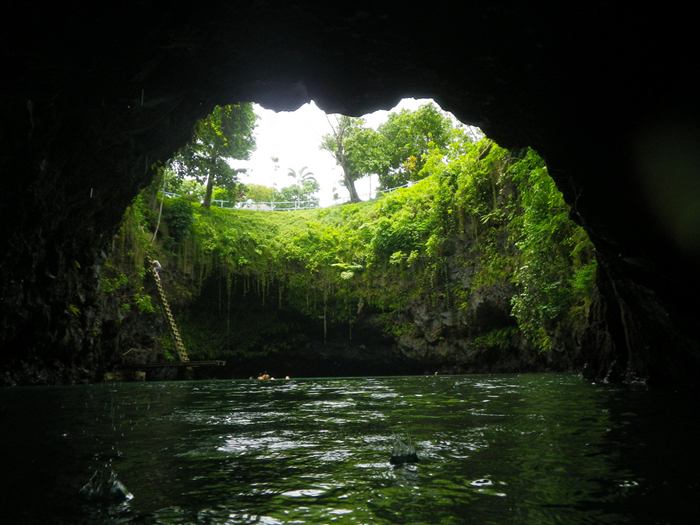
(92, 95)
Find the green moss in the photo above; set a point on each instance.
(499, 339)
(74, 310)
(143, 302)
(481, 218)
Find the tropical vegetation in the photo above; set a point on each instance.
(227, 133)
(481, 224)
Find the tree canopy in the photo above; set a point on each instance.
(346, 151)
(302, 191)
(227, 133)
(396, 151)
(408, 138)
(301, 176)
(259, 193)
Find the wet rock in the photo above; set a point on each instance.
(403, 452)
(105, 486)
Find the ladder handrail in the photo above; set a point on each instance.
(179, 345)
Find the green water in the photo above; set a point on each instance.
(539, 449)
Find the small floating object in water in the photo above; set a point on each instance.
(104, 486)
(403, 452)
(482, 483)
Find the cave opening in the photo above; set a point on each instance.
(93, 95)
(443, 252)
(86, 122)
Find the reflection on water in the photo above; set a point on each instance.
(538, 449)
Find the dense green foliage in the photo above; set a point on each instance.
(258, 193)
(123, 274)
(349, 144)
(302, 191)
(483, 220)
(409, 137)
(227, 133)
(396, 151)
(479, 250)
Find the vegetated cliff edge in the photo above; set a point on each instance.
(477, 267)
(82, 123)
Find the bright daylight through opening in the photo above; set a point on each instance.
(291, 141)
(289, 152)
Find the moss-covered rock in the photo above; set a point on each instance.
(459, 272)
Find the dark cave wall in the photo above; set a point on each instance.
(93, 95)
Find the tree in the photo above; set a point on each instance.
(228, 194)
(301, 176)
(227, 133)
(409, 137)
(259, 193)
(348, 143)
(301, 194)
(396, 152)
(302, 191)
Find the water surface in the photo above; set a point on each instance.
(539, 449)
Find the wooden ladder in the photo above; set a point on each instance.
(179, 345)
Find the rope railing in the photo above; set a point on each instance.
(258, 205)
(389, 190)
(281, 205)
(276, 205)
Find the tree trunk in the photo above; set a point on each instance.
(350, 185)
(207, 195)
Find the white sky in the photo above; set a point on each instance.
(294, 138)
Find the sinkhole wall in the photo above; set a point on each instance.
(92, 96)
(474, 268)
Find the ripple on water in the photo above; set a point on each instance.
(244, 418)
(249, 453)
(303, 493)
(384, 465)
(218, 514)
(258, 445)
(383, 395)
(628, 483)
(334, 420)
(488, 487)
(375, 438)
(340, 512)
(326, 405)
(334, 455)
(461, 447)
(482, 483)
